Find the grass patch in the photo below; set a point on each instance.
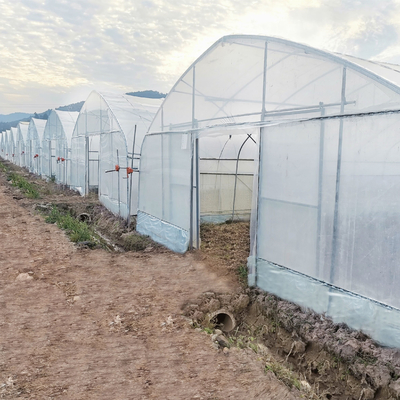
(76, 230)
(3, 168)
(283, 374)
(136, 242)
(26, 187)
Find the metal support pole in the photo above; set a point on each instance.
(320, 182)
(260, 144)
(197, 194)
(86, 165)
(191, 191)
(130, 187)
(119, 193)
(337, 191)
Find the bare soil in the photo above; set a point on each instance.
(92, 324)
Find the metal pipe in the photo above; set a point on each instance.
(119, 198)
(130, 187)
(337, 191)
(320, 179)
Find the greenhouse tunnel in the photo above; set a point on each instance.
(3, 144)
(55, 139)
(12, 135)
(34, 144)
(326, 173)
(20, 143)
(111, 127)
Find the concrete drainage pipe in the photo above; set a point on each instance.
(223, 320)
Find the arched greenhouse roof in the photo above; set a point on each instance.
(117, 112)
(258, 79)
(36, 127)
(60, 123)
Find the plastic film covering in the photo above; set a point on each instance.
(165, 163)
(63, 136)
(328, 208)
(225, 85)
(2, 145)
(34, 144)
(12, 134)
(108, 121)
(162, 232)
(20, 143)
(48, 157)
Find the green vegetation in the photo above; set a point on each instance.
(136, 242)
(283, 374)
(242, 273)
(76, 230)
(26, 187)
(3, 168)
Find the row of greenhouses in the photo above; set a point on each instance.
(303, 143)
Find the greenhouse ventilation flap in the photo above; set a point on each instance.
(318, 169)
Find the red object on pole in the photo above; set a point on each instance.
(128, 171)
(58, 159)
(62, 159)
(117, 167)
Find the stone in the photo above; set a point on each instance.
(24, 277)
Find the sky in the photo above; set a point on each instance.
(55, 52)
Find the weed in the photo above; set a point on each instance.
(284, 374)
(136, 242)
(208, 330)
(26, 187)
(242, 272)
(76, 230)
(3, 168)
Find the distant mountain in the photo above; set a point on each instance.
(72, 107)
(149, 94)
(13, 117)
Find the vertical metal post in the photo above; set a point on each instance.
(191, 191)
(119, 193)
(260, 144)
(130, 187)
(337, 191)
(197, 193)
(50, 161)
(86, 165)
(320, 179)
(194, 198)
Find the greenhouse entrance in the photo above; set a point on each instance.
(226, 165)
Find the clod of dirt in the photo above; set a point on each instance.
(24, 277)
(338, 363)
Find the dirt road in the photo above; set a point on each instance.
(82, 324)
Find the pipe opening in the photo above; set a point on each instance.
(223, 320)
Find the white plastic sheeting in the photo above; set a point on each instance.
(3, 144)
(12, 134)
(165, 189)
(63, 139)
(20, 143)
(55, 144)
(34, 144)
(103, 138)
(325, 217)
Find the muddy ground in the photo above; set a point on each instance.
(93, 324)
(95, 321)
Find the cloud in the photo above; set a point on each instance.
(54, 48)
